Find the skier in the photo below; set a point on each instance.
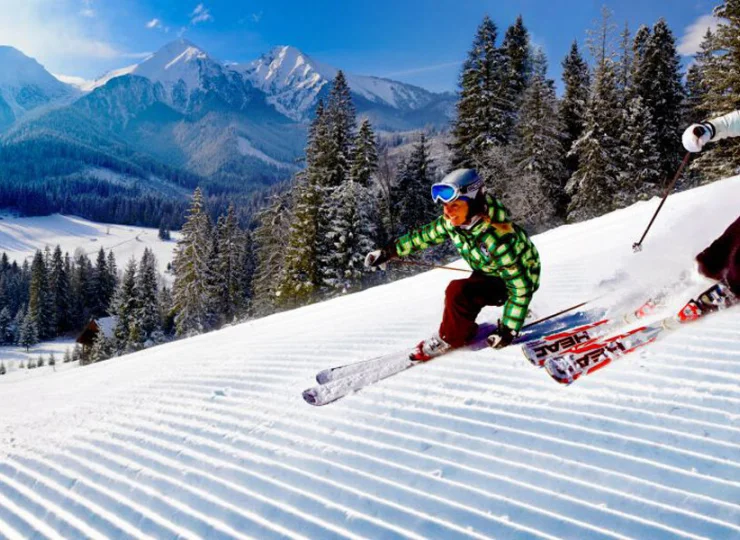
(505, 263)
(721, 260)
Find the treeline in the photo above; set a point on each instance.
(53, 295)
(51, 174)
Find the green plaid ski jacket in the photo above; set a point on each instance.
(494, 246)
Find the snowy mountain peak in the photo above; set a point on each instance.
(18, 70)
(178, 60)
(294, 80)
(26, 85)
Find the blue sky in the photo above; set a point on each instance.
(415, 41)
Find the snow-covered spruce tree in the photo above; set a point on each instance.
(517, 60)
(540, 150)
(39, 305)
(592, 186)
(572, 111)
(269, 240)
(341, 118)
(657, 81)
(28, 335)
(20, 315)
(82, 289)
(5, 326)
(412, 203)
(352, 234)
(147, 320)
(102, 349)
(125, 307)
(300, 279)
(229, 261)
(697, 83)
(191, 297)
(640, 172)
(481, 112)
(59, 281)
(722, 75)
(166, 316)
(103, 283)
(365, 156)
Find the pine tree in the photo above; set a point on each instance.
(482, 113)
(540, 148)
(28, 334)
(5, 326)
(39, 306)
(658, 82)
(269, 239)
(125, 309)
(231, 246)
(517, 60)
(60, 292)
(697, 82)
(300, 278)
(102, 349)
(572, 112)
(340, 115)
(593, 185)
(166, 316)
(192, 300)
(640, 173)
(413, 205)
(352, 234)
(147, 317)
(365, 158)
(722, 75)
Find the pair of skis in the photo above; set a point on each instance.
(337, 382)
(569, 355)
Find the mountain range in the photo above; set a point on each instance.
(238, 126)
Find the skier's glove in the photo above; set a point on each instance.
(379, 258)
(696, 136)
(501, 337)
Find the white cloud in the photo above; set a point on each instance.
(53, 32)
(154, 23)
(87, 10)
(694, 34)
(200, 14)
(257, 17)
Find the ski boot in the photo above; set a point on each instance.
(430, 348)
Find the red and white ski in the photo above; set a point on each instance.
(587, 357)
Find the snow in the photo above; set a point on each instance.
(209, 436)
(21, 237)
(85, 85)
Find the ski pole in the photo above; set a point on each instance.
(637, 246)
(428, 265)
(566, 310)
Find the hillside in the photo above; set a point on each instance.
(209, 436)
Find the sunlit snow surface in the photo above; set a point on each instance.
(209, 437)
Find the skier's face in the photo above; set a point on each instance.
(456, 212)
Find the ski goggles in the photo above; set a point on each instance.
(447, 193)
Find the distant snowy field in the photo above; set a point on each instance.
(209, 437)
(20, 237)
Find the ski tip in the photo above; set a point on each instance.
(310, 397)
(322, 377)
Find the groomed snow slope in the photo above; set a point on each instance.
(209, 437)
